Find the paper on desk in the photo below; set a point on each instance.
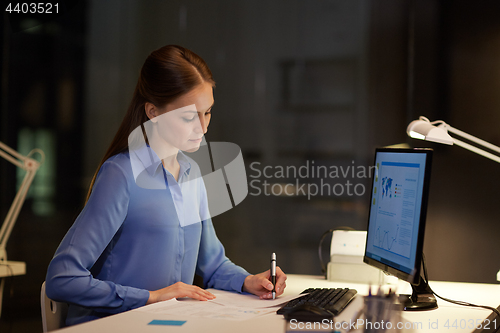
(247, 300)
(208, 309)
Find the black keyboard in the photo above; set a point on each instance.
(318, 304)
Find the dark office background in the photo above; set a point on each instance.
(297, 81)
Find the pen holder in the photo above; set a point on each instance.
(381, 314)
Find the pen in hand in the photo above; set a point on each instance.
(273, 273)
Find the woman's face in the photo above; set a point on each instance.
(183, 123)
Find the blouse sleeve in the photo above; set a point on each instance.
(216, 269)
(68, 277)
(213, 266)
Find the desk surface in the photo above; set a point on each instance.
(457, 318)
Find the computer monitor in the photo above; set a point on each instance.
(396, 222)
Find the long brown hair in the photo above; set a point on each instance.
(167, 73)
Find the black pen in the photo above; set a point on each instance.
(273, 273)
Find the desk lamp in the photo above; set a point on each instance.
(424, 129)
(437, 131)
(9, 268)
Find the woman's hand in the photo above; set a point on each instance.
(261, 285)
(179, 290)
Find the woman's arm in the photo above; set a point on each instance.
(212, 265)
(68, 277)
(219, 272)
(179, 290)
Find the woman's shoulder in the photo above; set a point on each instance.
(120, 158)
(120, 161)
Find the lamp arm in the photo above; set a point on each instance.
(31, 166)
(11, 159)
(472, 138)
(476, 150)
(15, 208)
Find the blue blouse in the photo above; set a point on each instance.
(132, 238)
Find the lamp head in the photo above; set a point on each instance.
(423, 129)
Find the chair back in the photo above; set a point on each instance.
(53, 313)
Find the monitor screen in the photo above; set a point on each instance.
(398, 205)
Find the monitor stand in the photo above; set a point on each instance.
(421, 299)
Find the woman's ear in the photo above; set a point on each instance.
(151, 111)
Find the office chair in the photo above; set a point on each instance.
(53, 313)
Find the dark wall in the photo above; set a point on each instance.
(386, 63)
(439, 59)
(42, 106)
(463, 216)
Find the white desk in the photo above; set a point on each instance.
(484, 294)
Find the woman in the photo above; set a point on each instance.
(143, 235)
